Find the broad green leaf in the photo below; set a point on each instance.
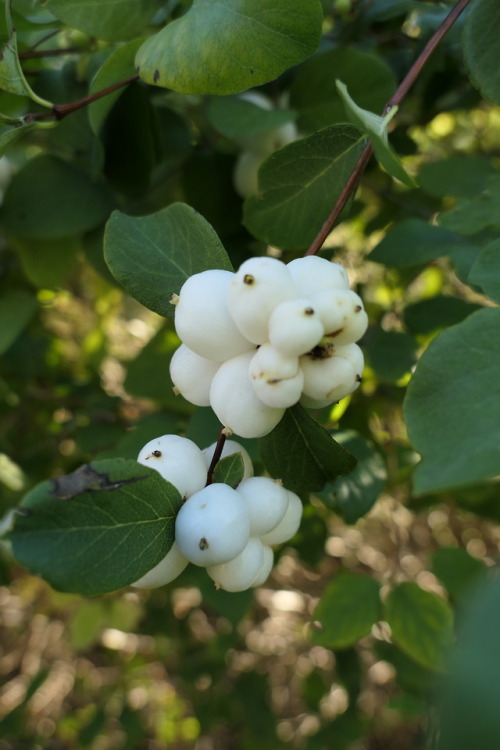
(299, 184)
(413, 242)
(229, 470)
(118, 66)
(314, 93)
(98, 529)
(486, 271)
(391, 354)
(480, 43)
(224, 48)
(47, 263)
(233, 117)
(354, 495)
(11, 135)
(63, 201)
(411, 676)
(458, 176)
(152, 256)
(457, 570)
(421, 623)
(470, 216)
(113, 20)
(452, 406)
(347, 611)
(375, 128)
(302, 453)
(433, 313)
(17, 307)
(469, 707)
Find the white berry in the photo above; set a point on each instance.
(289, 524)
(342, 314)
(235, 402)
(312, 274)
(259, 285)
(246, 173)
(213, 525)
(167, 569)
(231, 447)
(265, 568)
(239, 573)
(330, 378)
(295, 327)
(277, 379)
(192, 375)
(267, 502)
(202, 318)
(354, 355)
(178, 460)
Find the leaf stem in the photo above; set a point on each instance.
(394, 101)
(60, 111)
(217, 454)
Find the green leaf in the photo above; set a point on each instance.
(347, 611)
(421, 624)
(480, 43)
(433, 313)
(469, 217)
(114, 20)
(354, 495)
(413, 242)
(11, 135)
(118, 66)
(457, 570)
(375, 128)
(452, 406)
(221, 48)
(299, 184)
(486, 270)
(98, 529)
(152, 256)
(47, 263)
(458, 176)
(302, 453)
(314, 93)
(233, 117)
(391, 354)
(17, 307)
(62, 200)
(229, 470)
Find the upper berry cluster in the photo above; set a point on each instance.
(259, 340)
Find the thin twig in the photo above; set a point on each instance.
(394, 101)
(217, 454)
(60, 111)
(29, 54)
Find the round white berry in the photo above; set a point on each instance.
(342, 314)
(178, 460)
(289, 524)
(192, 375)
(259, 285)
(213, 525)
(239, 573)
(202, 319)
(295, 327)
(246, 173)
(354, 355)
(167, 569)
(266, 500)
(328, 379)
(231, 447)
(265, 568)
(312, 274)
(314, 403)
(276, 378)
(235, 402)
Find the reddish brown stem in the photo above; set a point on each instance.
(394, 101)
(216, 457)
(60, 111)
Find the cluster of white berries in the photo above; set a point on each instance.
(257, 148)
(227, 531)
(257, 341)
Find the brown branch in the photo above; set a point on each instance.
(29, 54)
(394, 101)
(60, 111)
(217, 454)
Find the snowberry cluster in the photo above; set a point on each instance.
(227, 531)
(259, 340)
(257, 148)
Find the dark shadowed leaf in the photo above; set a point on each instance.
(457, 570)
(391, 354)
(433, 313)
(486, 270)
(17, 307)
(413, 242)
(480, 43)
(460, 176)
